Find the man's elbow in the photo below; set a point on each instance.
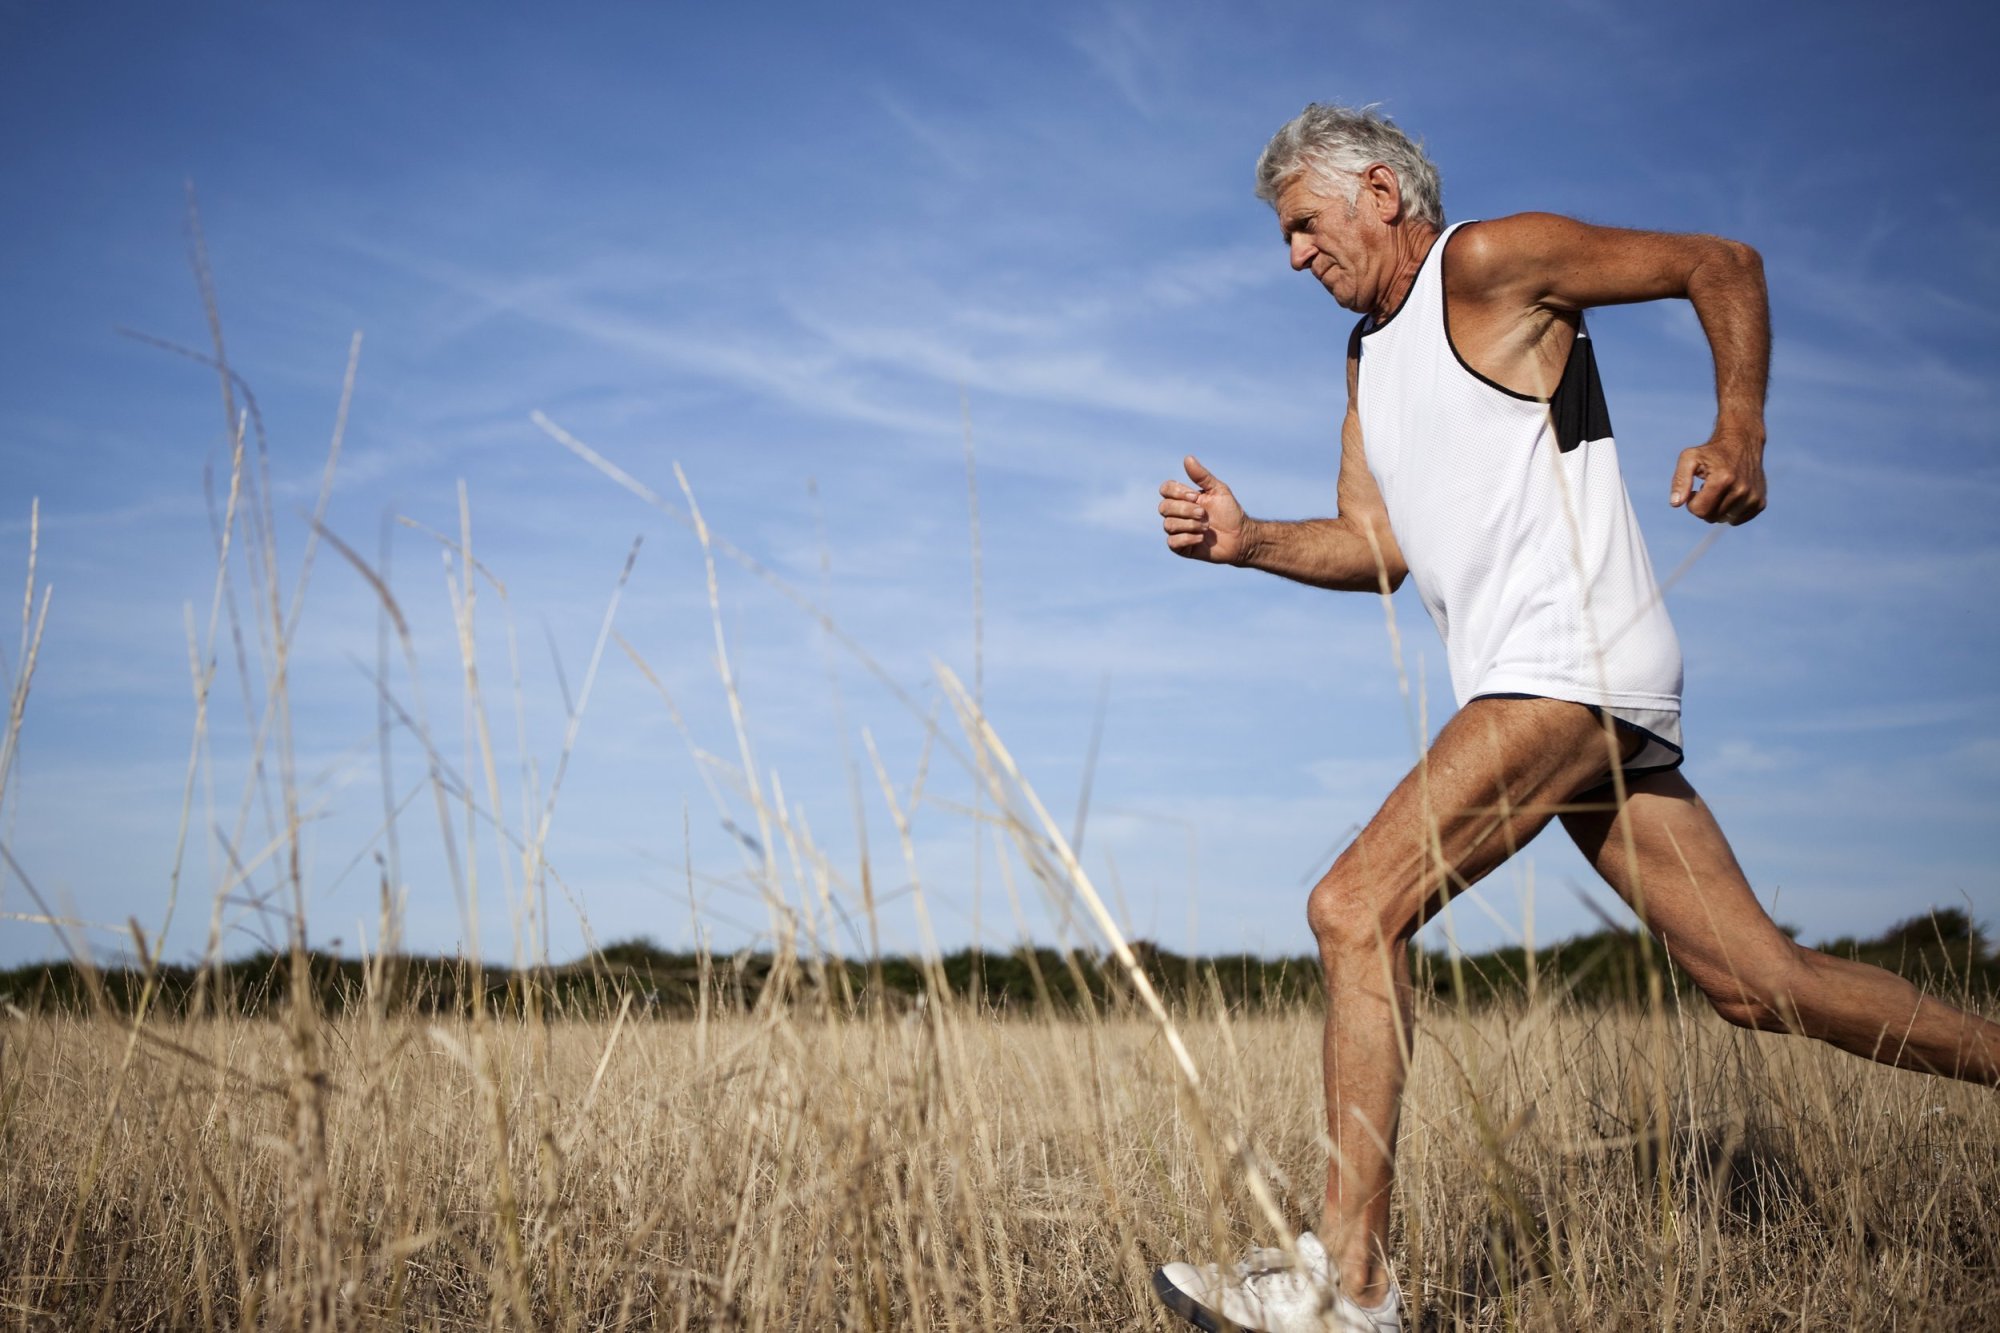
(1382, 566)
(1383, 578)
(1738, 257)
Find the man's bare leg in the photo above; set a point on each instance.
(1688, 889)
(1486, 787)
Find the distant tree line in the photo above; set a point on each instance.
(1944, 952)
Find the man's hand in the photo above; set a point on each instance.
(1355, 552)
(1731, 469)
(1203, 521)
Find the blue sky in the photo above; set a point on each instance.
(783, 247)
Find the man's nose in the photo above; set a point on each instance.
(1302, 251)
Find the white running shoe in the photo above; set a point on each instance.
(1265, 1294)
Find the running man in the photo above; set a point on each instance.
(1477, 455)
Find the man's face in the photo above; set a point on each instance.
(1328, 236)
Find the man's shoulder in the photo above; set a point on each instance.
(1511, 263)
(1488, 254)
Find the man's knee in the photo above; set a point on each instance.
(1348, 920)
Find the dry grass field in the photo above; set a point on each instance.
(939, 1169)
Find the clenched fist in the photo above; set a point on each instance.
(1731, 470)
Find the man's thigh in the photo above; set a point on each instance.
(1494, 777)
(1666, 856)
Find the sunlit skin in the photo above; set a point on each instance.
(1355, 249)
(1502, 769)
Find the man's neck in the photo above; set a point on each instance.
(1412, 242)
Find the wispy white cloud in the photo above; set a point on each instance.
(1744, 757)
(1868, 575)
(792, 371)
(1082, 376)
(57, 516)
(1124, 46)
(1132, 507)
(933, 137)
(1894, 716)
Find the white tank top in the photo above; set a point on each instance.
(1512, 516)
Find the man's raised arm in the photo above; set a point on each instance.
(1355, 552)
(1559, 264)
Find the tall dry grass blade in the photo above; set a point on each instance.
(978, 679)
(1081, 822)
(33, 623)
(419, 724)
(752, 780)
(932, 956)
(539, 839)
(817, 614)
(987, 740)
(325, 496)
(976, 724)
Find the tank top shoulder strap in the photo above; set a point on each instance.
(1431, 274)
(1426, 292)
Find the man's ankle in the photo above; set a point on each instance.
(1363, 1277)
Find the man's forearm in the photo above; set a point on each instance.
(1323, 552)
(1729, 297)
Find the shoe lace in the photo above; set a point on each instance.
(1261, 1259)
(1278, 1279)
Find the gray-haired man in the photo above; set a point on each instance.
(1477, 456)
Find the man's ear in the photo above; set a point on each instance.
(1384, 192)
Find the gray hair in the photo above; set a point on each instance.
(1333, 145)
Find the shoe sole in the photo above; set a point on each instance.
(1187, 1307)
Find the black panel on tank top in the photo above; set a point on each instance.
(1578, 408)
